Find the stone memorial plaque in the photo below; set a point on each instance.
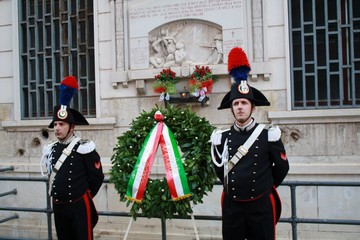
(183, 32)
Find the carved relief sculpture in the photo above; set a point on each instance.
(172, 43)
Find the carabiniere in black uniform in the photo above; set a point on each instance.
(259, 170)
(252, 181)
(75, 172)
(80, 173)
(249, 166)
(74, 185)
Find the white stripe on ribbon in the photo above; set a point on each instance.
(141, 169)
(174, 168)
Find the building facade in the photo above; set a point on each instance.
(304, 56)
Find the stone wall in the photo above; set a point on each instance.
(321, 145)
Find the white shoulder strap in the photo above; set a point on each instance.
(65, 153)
(243, 149)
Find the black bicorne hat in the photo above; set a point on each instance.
(243, 90)
(239, 67)
(63, 112)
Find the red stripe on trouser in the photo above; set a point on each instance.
(272, 200)
(88, 215)
(222, 198)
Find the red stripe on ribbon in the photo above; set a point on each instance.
(169, 176)
(149, 163)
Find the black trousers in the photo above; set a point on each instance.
(75, 221)
(253, 220)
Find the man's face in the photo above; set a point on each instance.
(62, 130)
(242, 110)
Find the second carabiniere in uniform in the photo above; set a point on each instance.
(74, 169)
(250, 160)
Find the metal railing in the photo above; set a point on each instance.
(47, 210)
(294, 220)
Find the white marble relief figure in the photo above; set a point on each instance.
(219, 48)
(216, 54)
(163, 50)
(180, 54)
(170, 44)
(173, 45)
(156, 58)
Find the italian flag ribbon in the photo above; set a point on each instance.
(175, 173)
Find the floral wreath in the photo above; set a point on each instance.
(192, 134)
(165, 83)
(201, 81)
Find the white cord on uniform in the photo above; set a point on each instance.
(224, 155)
(45, 160)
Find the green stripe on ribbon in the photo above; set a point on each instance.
(140, 174)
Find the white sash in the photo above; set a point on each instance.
(65, 153)
(242, 151)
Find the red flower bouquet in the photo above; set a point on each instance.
(165, 83)
(201, 81)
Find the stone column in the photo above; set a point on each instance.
(119, 35)
(257, 30)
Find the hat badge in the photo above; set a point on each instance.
(62, 113)
(243, 87)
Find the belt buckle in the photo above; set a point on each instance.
(66, 151)
(243, 150)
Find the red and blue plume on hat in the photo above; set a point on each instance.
(68, 88)
(238, 64)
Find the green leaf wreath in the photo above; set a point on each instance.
(192, 134)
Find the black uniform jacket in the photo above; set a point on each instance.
(264, 166)
(81, 171)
